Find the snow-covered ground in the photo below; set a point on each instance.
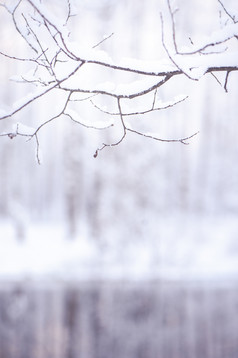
(185, 247)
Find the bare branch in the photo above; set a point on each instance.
(139, 113)
(226, 80)
(18, 29)
(214, 76)
(123, 134)
(226, 11)
(173, 25)
(48, 23)
(37, 149)
(87, 125)
(180, 71)
(154, 98)
(152, 136)
(57, 116)
(117, 95)
(55, 53)
(104, 39)
(34, 98)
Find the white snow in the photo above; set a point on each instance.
(205, 248)
(88, 53)
(3, 112)
(161, 65)
(31, 96)
(196, 65)
(217, 37)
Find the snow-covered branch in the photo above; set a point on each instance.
(59, 64)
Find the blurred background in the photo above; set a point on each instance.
(134, 253)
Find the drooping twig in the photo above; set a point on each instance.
(153, 136)
(226, 81)
(124, 129)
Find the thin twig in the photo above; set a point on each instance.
(37, 149)
(123, 134)
(154, 98)
(173, 26)
(214, 76)
(34, 98)
(152, 109)
(57, 116)
(226, 81)
(151, 136)
(87, 125)
(104, 39)
(226, 11)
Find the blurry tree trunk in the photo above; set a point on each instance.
(93, 206)
(71, 320)
(205, 157)
(73, 179)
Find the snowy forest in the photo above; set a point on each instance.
(118, 164)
